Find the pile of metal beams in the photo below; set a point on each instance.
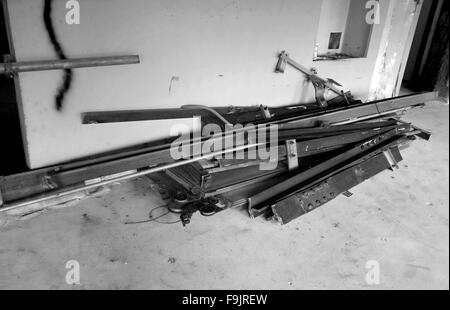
(321, 150)
(321, 153)
(315, 164)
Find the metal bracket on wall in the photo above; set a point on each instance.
(320, 84)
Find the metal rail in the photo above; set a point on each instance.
(9, 68)
(78, 188)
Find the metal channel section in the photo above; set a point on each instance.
(82, 187)
(9, 68)
(354, 114)
(299, 187)
(285, 186)
(323, 192)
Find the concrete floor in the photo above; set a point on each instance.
(400, 219)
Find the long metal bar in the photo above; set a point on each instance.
(46, 65)
(367, 110)
(230, 188)
(78, 188)
(354, 114)
(237, 114)
(139, 115)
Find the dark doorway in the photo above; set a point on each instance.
(12, 153)
(427, 67)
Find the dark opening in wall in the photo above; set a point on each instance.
(12, 159)
(344, 31)
(335, 41)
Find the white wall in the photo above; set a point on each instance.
(333, 17)
(223, 51)
(357, 31)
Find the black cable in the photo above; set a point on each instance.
(154, 219)
(68, 74)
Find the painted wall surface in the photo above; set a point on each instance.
(400, 25)
(357, 30)
(333, 17)
(215, 52)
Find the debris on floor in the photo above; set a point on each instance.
(280, 162)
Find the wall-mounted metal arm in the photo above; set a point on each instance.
(319, 83)
(9, 68)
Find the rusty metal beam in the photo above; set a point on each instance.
(9, 68)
